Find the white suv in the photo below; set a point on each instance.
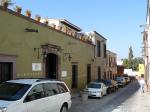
(34, 95)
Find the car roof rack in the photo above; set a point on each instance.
(46, 79)
(40, 79)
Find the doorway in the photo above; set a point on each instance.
(74, 76)
(5, 71)
(99, 73)
(51, 67)
(88, 73)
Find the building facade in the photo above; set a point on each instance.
(111, 66)
(31, 49)
(100, 55)
(63, 25)
(52, 48)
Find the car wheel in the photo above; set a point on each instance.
(63, 108)
(101, 94)
(106, 93)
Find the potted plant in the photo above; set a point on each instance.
(5, 5)
(53, 26)
(38, 18)
(46, 21)
(59, 27)
(18, 9)
(28, 13)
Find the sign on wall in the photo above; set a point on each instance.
(36, 67)
(63, 73)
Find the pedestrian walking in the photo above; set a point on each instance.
(142, 83)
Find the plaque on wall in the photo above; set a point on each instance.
(64, 74)
(36, 67)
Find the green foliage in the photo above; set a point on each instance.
(130, 58)
(131, 62)
(134, 63)
(125, 62)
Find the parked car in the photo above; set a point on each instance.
(121, 81)
(115, 84)
(132, 78)
(109, 86)
(96, 89)
(34, 95)
(127, 80)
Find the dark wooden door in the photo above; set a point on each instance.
(5, 71)
(74, 76)
(51, 66)
(99, 73)
(88, 73)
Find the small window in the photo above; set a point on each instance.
(62, 88)
(98, 48)
(50, 89)
(35, 93)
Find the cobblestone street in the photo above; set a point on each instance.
(127, 99)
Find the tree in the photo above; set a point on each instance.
(130, 58)
(136, 62)
(125, 62)
(131, 62)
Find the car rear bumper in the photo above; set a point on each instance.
(94, 95)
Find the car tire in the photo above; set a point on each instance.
(64, 108)
(101, 94)
(105, 93)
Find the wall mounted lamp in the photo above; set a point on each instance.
(67, 56)
(38, 52)
(44, 54)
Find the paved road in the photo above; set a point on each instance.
(124, 100)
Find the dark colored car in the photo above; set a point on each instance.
(110, 86)
(127, 80)
(121, 81)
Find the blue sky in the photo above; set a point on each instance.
(117, 20)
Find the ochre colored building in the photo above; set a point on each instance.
(31, 49)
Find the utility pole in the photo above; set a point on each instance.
(146, 42)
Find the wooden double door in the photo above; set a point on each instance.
(5, 71)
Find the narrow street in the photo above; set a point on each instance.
(127, 99)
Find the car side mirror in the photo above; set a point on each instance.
(29, 98)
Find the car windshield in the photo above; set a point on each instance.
(119, 78)
(94, 85)
(12, 91)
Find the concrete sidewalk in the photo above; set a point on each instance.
(139, 102)
(143, 102)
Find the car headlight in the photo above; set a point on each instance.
(3, 109)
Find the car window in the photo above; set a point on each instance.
(35, 93)
(119, 78)
(62, 88)
(50, 89)
(94, 85)
(12, 91)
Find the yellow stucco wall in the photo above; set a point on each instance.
(141, 69)
(14, 40)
